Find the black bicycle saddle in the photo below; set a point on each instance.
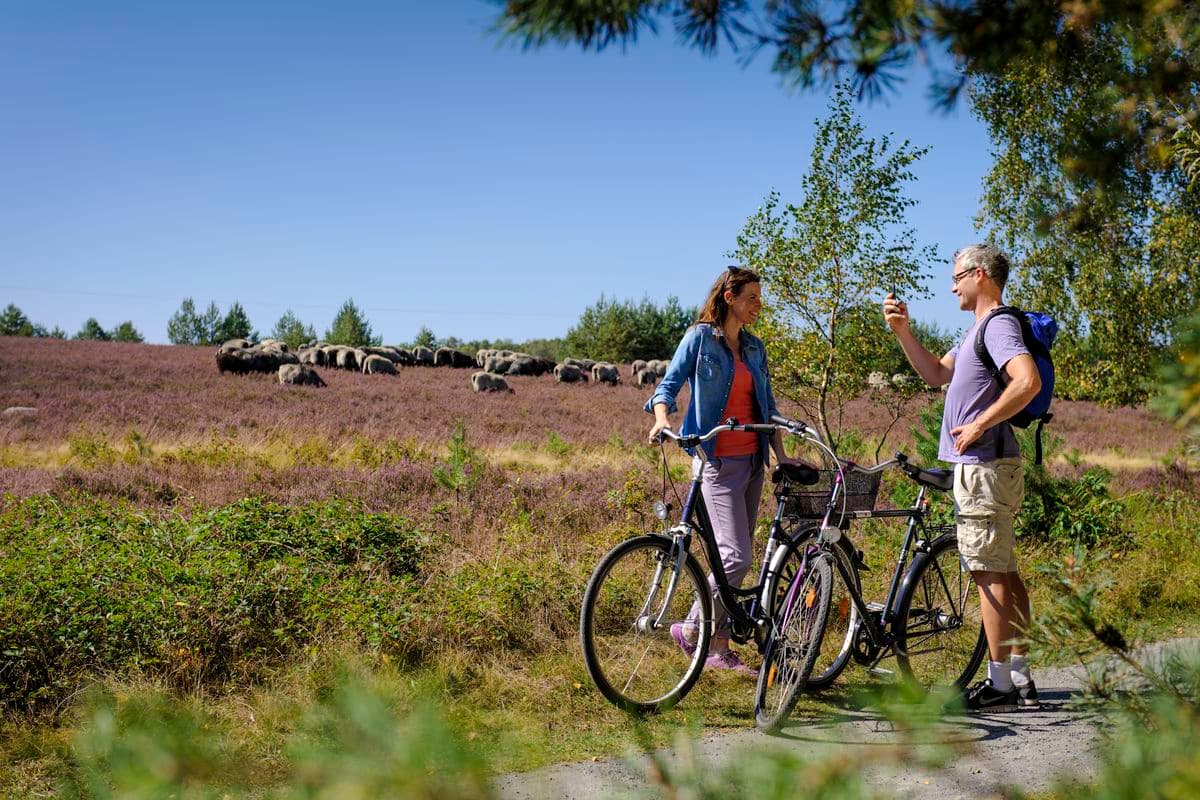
(796, 473)
(942, 479)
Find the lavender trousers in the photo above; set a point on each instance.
(732, 487)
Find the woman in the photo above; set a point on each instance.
(725, 367)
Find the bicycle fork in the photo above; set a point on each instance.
(647, 622)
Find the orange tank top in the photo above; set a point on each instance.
(740, 405)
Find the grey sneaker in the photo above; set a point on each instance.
(983, 698)
(1027, 696)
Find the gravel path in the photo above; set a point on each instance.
(1028, 749)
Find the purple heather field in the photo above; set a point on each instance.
(173, 397)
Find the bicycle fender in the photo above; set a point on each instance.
(919, 561)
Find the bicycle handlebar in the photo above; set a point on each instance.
(794, 427)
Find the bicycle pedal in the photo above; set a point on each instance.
(874, 606)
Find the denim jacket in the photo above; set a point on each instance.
(704, 360)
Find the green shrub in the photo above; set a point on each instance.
(90, 587)
(91, 451)
(462, 466)
(1071, 510)
(558, 446)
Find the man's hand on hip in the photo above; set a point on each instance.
(966, 435)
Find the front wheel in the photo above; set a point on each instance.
(838, 639)
(938, 630)
(794, 644)
(629, 606)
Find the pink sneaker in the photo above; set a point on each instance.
(687, 647)
(727, 659)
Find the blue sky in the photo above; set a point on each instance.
(298, 154)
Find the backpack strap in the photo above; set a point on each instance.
(989, 363)
(1042, 420)
(1035, 348)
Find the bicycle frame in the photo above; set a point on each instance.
(695, 520)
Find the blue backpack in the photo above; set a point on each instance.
(1037, 331)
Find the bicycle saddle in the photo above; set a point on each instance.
(796, 473)
(942, 479)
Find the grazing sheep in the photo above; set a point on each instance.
(569, 373)
(235, 344)
(423, 356)
(449, 357)
(347, 358)
(299, 375)
(497, 365)
(606, 373)
(645, 378)
(487, 382)
(242, 362)
(525, 365)
(378, 365)
(658, 366)
(637, 366)
(273, 344)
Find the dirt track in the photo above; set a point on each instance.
(1028, 750)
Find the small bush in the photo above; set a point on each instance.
(1071, 510)
(557, 446)
(462, 466)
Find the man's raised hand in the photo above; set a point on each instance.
(895, 312)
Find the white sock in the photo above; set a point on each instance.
(1020, 671)
(998, 675)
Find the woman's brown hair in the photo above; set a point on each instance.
(715, 309)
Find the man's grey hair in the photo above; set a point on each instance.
(987, 257)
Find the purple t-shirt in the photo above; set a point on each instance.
(972, 390)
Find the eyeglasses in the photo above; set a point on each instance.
(954, 279)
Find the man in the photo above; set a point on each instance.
(989, 480)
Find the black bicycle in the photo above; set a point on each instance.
(930, 619)
(648, 583)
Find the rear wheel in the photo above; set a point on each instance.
(625, 624)
(939, 626)
(794, 643)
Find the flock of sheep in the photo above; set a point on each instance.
(240, 356)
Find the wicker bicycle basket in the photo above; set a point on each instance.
(809, 502)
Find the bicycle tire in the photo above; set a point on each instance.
(794, 644)
(938, 624)
(614, 603)
(837, 642)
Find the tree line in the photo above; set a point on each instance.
(13, 322)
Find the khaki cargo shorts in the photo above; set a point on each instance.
(987, 498)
